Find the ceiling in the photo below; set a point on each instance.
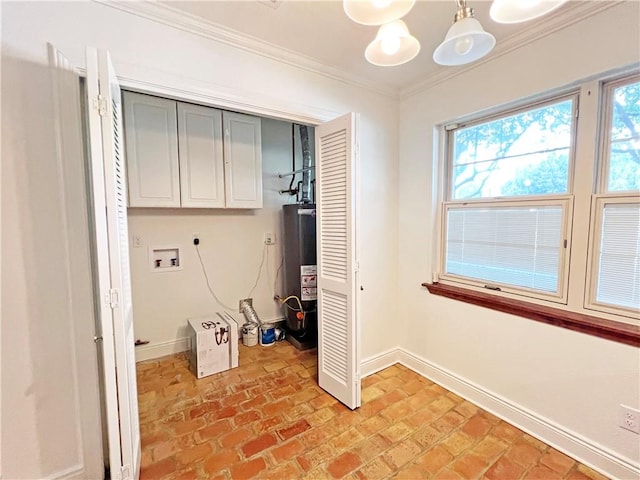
(320, 32)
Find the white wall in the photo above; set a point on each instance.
(232, 248)
(569, 380)
(51, 409)
(34, 360)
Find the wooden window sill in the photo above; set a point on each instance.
(579, 322)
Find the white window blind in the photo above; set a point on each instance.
(506, 245)
(618, 276)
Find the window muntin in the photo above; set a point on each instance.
(517, 246)
(622, 145)
(526, 153)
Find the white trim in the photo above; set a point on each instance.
(554, 22)
(596, 456)
(161, 349)
(598, 204)
(199, 26)
(76, 471)
(565, 202)
(235, 100)
(378, 362)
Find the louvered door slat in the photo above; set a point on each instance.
(338, 359)
(112, 249)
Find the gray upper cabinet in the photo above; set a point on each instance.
(177, 155)
(243, 160)
(151, 141)
(201, 161)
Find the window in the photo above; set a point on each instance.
(510, 202)
(507, 214)
(615, 238)
(527, 153)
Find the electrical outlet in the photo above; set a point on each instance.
(269, 238)
(138, 241)
(629, 418)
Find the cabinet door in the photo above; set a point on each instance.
(151, 140)
(200, 152)
(242, 160)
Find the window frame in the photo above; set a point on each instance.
(604, 196)
(598, 203)
(585, 183)
(607, 87)
(449, 131)
(565, 199)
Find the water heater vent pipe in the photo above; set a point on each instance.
(306, 164)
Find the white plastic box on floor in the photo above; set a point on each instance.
(213, 344)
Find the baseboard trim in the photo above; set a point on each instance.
(162, 349)
(157, 350)
(576, 446)
(73, 472)
(378, 362)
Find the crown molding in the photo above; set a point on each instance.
(553, 23)
(184, 21)
(187, 22)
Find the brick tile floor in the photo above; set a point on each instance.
(269, 419)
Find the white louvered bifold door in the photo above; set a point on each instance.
(112, 248)
(336, 194)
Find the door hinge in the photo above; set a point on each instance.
(124, 472)
(113, 298)
(100, 104)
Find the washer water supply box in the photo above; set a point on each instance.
(213, 344)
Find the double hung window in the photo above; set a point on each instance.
(509, 197)
(615, 239)
(508, 208)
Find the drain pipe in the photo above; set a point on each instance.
(306, 164)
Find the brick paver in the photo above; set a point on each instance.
(268, 419)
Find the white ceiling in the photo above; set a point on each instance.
(320, 31)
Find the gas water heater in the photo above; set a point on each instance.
(300, 274)
(300, 269)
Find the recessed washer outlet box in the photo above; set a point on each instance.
(165, 259)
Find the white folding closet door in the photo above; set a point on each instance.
(116, 314)
(336, 207)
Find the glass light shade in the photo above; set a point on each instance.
(393, 45)
(376, 12)
(466, 42)
(516, 11)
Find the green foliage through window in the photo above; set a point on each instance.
(624, 139)
(523, 154)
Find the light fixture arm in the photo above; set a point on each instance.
(463, 11)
